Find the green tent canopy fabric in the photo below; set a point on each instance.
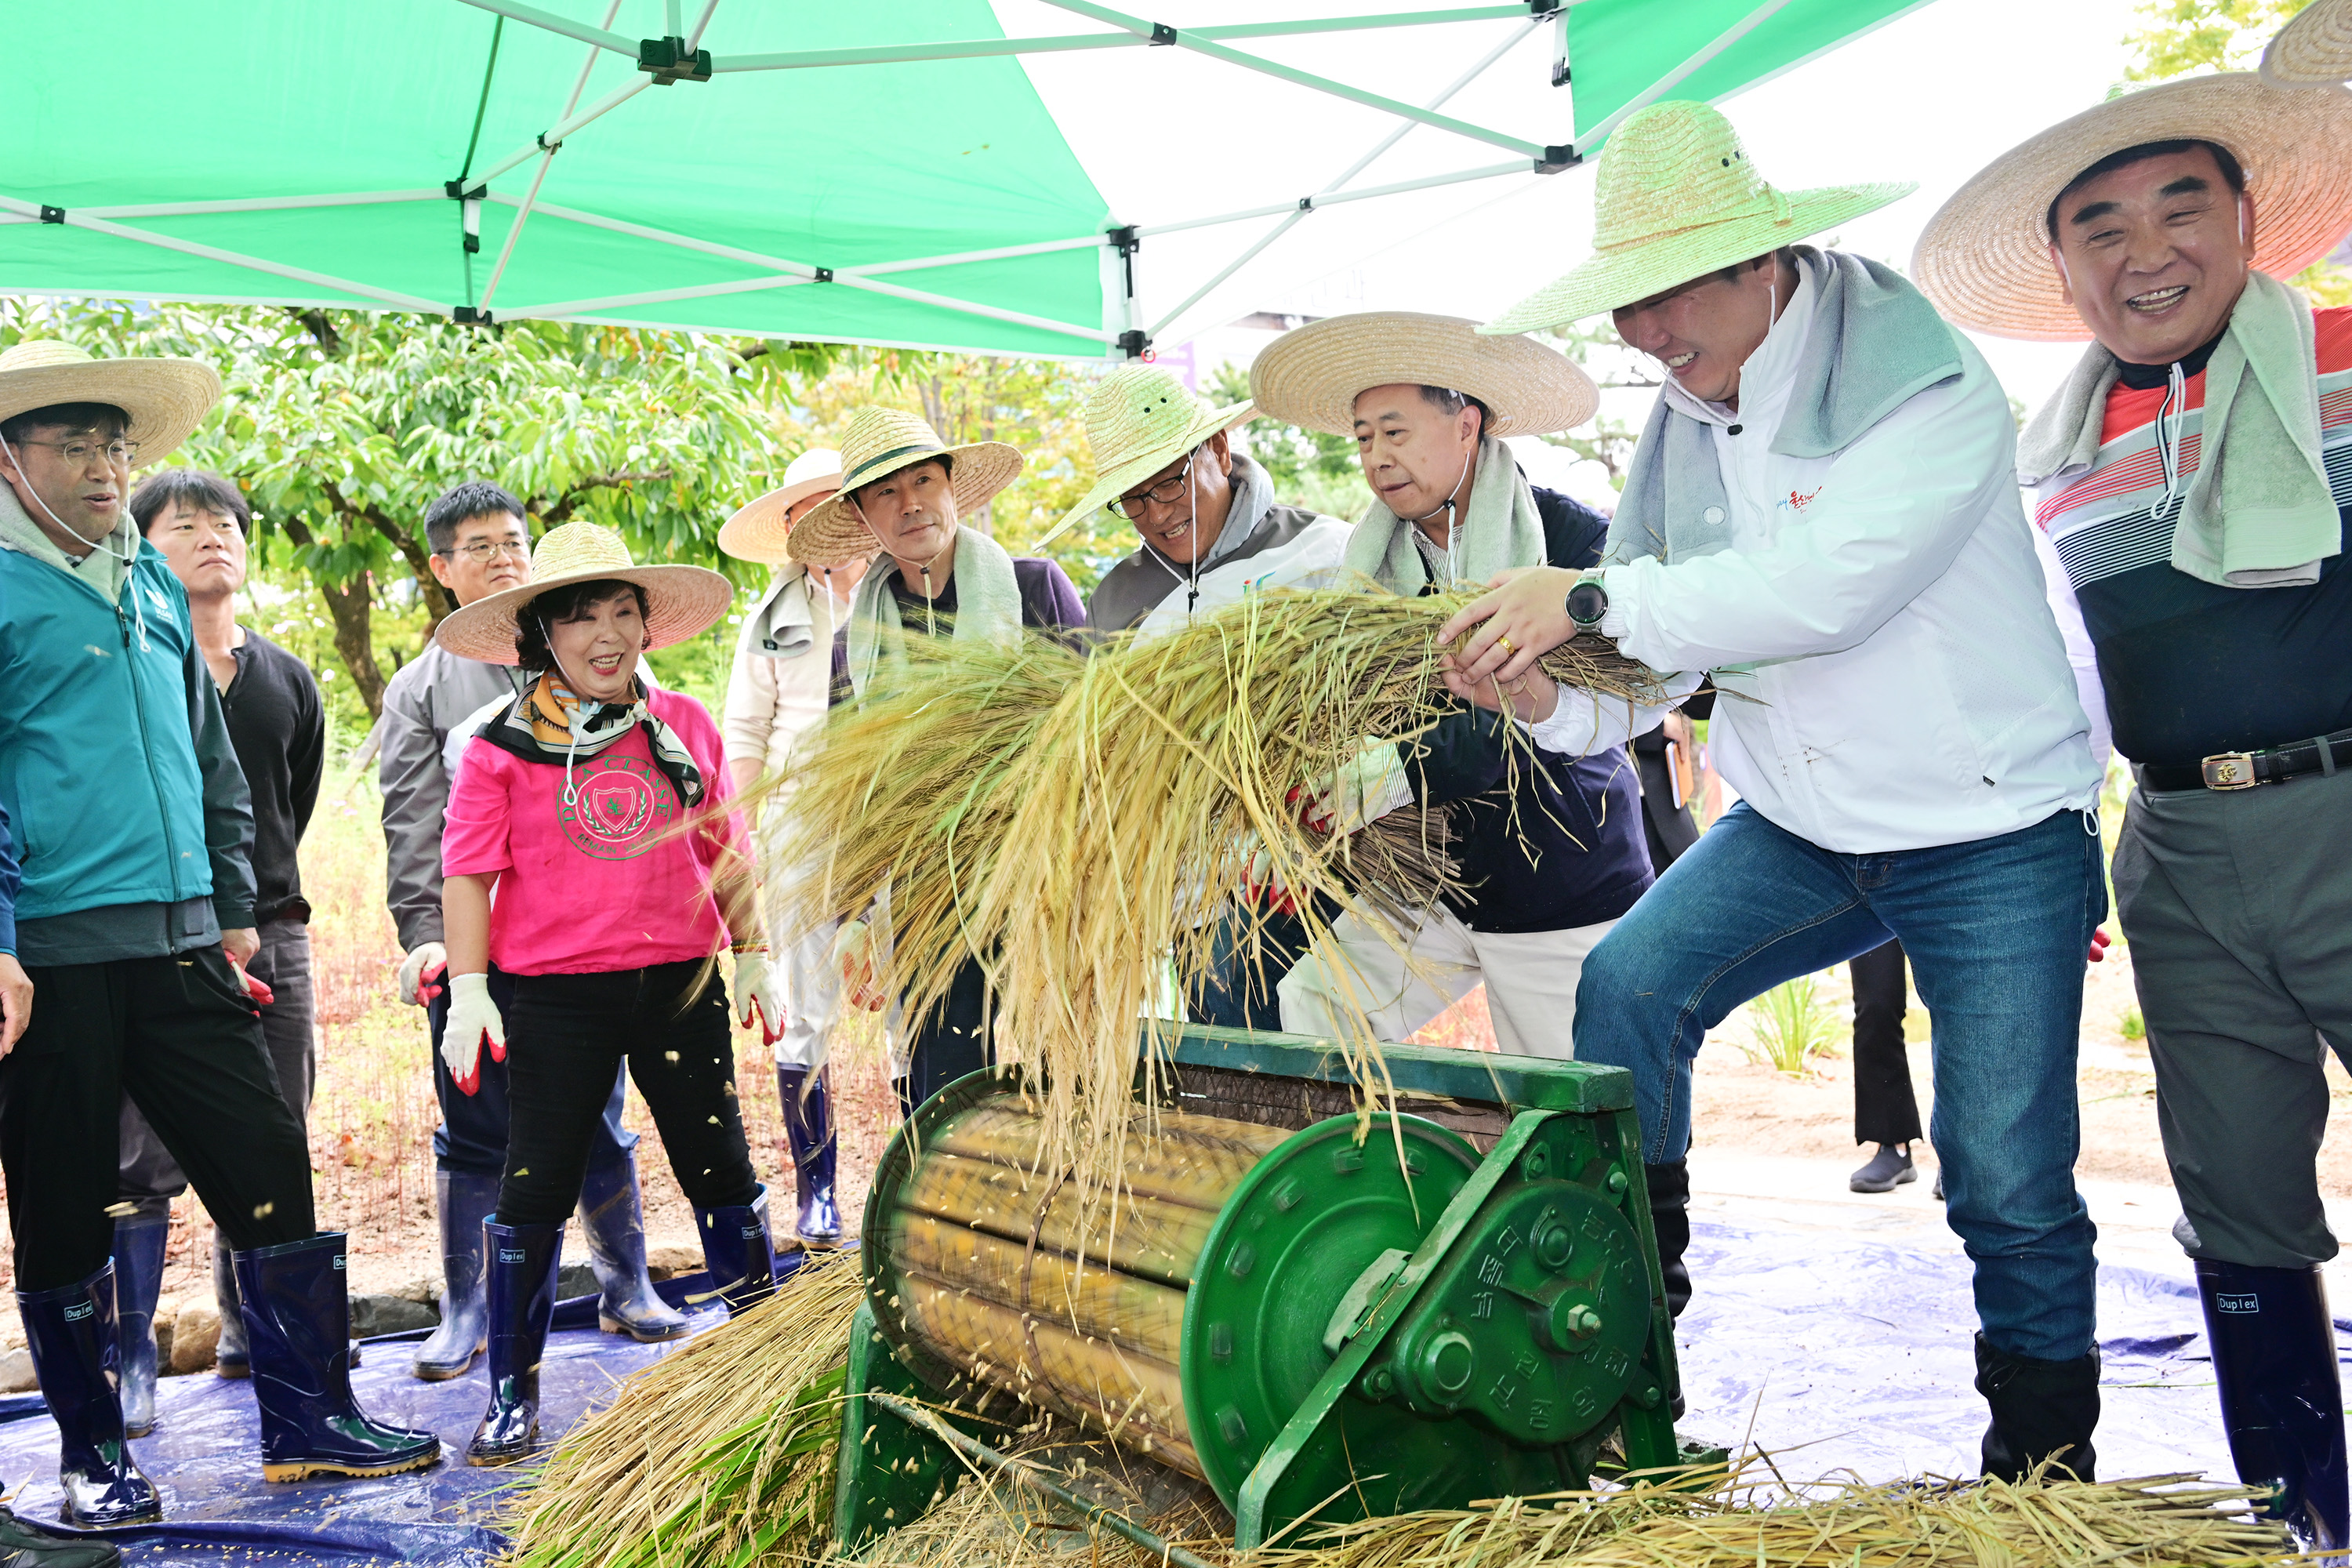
(880, 174)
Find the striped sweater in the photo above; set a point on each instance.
(2190, 669)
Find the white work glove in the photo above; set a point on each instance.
(473, 1018)
(856, 953)
(760, 994)
(1363, 789)
(421, 973)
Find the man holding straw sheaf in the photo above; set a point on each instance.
(905, 492)
(2191, 474)
(1549, 840)
(1822, 512)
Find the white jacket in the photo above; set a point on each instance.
(1880, 623)
(784, 670)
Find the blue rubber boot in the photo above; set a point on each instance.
(138, 1281)
(298, 1316)
(70, 1332)
(2281, 1400)
(614, 1226)
(524, 1259)
(22, 1546)
(808, 1127)
(742, 1259)
(466, 1200)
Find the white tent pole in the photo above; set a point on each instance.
(665, 296)
(1516, 166)
(555, 24)
(522, 214)
(235, 258)
(1358, 167)
(553, 137)
(673, 22)
(945, 302)
(664, 236)
(268, 204)
(1675, 78)
(1303, 78)
(973, 48)
(693, 39)
(1004, 253)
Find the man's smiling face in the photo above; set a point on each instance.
(2153, 256)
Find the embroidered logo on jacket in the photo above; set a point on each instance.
(1799, 502)
(619, 807)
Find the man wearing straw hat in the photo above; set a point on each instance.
(481, 546)
(2192, 474)
(904, 495)
(134, 914)
(776, 693)
(1204, 515)
(1551, 848)
(1821, 513)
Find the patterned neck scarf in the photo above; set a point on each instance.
(547, 724)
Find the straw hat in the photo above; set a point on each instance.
(165, 398)
(680, 600)
(2315, 49)
(878, 443)
(1984, 259)
(757, 533)
(1139, 419)
(1676, 198)
(1311, 375)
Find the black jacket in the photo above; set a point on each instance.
(1575, 855)
(277, 724)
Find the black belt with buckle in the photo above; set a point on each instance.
(2244, 770)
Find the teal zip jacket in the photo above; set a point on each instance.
(133, 828)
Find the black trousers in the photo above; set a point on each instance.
(176, 1035)
(569, 1033)
(1885, 1109)
(472, 1137)
(955, 1040)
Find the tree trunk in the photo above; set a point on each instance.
(348, 604)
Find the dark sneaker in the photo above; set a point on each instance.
(1888, 1169)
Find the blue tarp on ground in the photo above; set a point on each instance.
(1844, 1355)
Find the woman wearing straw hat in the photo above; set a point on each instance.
(776, 694)
(599, 813)
(1204, 515)
(1553, 853)
(2193, 476)
(133, 918)
(905, 493)
(1821, 512)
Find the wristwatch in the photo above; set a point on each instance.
(1587, 602)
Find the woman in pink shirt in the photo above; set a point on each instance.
(597, 812)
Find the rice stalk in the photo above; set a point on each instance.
(720, 1454)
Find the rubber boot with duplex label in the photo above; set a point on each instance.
(71, 1335)
(523, 1259)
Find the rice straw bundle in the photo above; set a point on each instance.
(2159, 1522)
(720, 1454)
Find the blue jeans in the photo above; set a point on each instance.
(1996, 932)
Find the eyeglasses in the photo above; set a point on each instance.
(1165, 493)
(484, 552)
(78, 454)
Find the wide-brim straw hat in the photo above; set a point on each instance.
(878, 443)
(1139, 419)
(757, 533)
(166, 399)
(1675, 198)
(1312, 375)
(2313, 49)
(680, 600)
(1984, 259)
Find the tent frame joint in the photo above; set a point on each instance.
(1162, 36)
(53, 215)
(822, 274)
(671, 60)
(471, 316)
(1135, 342)
(1556, 159)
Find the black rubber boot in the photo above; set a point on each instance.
(742, 1259)
(70, 1333)
(2041, 1410)
(1670, 1218)
(614, 1226)
(22, 1546)
(298, 1319)
(465, 1201)
(523, 1261)
(137, 1282)
(808, 1127)
(2282, 1401)
(230, 1357)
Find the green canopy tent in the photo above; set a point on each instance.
(941, 174)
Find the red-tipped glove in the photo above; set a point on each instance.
(2098, 953)
(421, 973)
(760, 994)
(473, 1019)
(255, 990)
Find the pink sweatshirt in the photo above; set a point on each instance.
(606, 883)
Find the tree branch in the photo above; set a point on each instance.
(438, 601)
(321, 329)
(561, 510)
